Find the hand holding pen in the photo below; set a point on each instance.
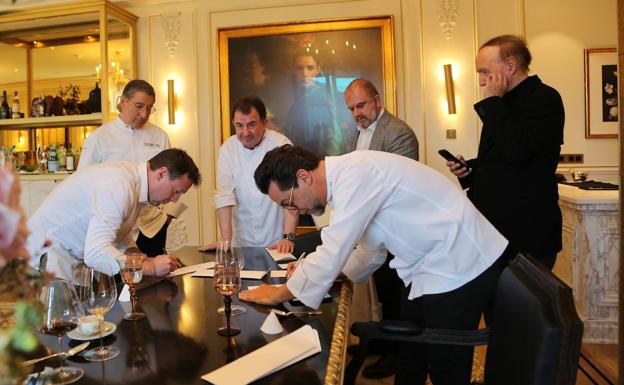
(293, 265)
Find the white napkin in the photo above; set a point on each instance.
(278, 273)
(277, 256)
(271, 324)
(191, 269)
(268, 359)
(245, 274)
(124, 296)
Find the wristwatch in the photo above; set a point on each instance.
(290, 236)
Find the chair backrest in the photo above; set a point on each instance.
(536, 332)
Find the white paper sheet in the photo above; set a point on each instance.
(283, 265)
(285, 351)
(191, 269)
(245, 274)
(124, 296)
(278, 273)
(277, 256)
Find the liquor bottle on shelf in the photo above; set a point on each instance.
(69, 158)
(53, 163)
(39, 107)
(62, 156)
(15, 106)
(5, 111)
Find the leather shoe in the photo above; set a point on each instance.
(383, 367)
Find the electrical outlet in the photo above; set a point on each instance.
(451, 134)
(571, 158)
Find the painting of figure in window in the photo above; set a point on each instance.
(301, 74)
(609, 93)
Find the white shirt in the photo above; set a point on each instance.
(116, 140)
(256, 220)
(384, 201)
(89, 216)
(366, 134)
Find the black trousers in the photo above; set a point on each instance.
(389, 291)
(459, 309)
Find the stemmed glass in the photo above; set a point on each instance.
(222, 252)
(98, 294)
(62, 311)
(131, 265)
(227, 282)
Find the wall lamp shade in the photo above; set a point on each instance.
(450, 89)
(171, 101)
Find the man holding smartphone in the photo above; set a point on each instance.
(512, 180)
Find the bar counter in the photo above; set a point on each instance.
(177, 342)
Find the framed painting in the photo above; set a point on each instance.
(601, 93)
(301, 70)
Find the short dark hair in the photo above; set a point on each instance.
(511, 46)
(245, 104)
(178, 162)
(138, 85)
(366, 85)
(281, 165)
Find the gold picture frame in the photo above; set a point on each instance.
(270, 60)
(601, 93)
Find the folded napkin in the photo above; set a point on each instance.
(124, 296)
(277, 256)
(191, 269)
(268, 359)
(245, 274)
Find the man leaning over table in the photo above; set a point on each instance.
(90, 215)
(132, 138)
(248, 218)
(446, 253)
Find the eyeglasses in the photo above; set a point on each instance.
(290, 206)
(141, 106)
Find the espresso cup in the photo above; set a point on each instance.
(89, 324)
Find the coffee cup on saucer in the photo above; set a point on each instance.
(89, 325)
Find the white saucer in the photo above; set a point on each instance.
(76, 334)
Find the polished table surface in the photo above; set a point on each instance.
(177, 342)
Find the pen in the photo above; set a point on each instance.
(296, 264)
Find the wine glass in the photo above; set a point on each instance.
(226, 251)
(227, 282)
(131, 265)
(62, 311)
(98, 294)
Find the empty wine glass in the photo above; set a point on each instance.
(98, 294)
(226, 251)
(131, 265)
(62, 310)
(227, 282)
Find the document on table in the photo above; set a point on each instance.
(268, 359)
(277, 256)
(283, 265)
(191, 269)
(245, 274)
(278, 273)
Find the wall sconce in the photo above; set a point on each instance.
(171, 102)
(450, 89)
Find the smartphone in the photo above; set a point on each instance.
(448, 156)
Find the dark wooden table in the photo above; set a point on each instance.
(177, 342)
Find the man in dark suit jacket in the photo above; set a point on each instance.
(512, 180)
(381, 131)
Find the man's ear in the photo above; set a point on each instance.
(511, 63)
(160, 173)
(304, 176)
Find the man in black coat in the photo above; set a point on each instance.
(512, 180)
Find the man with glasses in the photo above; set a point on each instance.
(131, 137)
(246, 217)
(447, 254)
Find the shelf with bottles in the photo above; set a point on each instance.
(94, 119)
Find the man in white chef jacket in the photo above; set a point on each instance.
(446, 253)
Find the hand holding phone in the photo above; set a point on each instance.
(450, 157)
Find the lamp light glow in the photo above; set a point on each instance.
(171, 102)
(450, 89)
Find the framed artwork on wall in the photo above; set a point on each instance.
(300, 71)
(601, 93)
